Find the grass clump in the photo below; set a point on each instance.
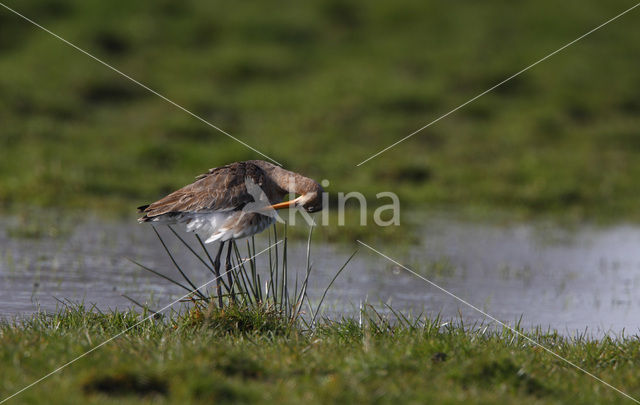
(241, 318)
(246, 296)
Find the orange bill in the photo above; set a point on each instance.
(285, 204)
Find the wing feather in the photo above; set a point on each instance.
(220, 189)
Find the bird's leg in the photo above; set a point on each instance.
(228, 270)
(216, 268)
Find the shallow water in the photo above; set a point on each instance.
(585, 278)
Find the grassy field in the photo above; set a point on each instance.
(240, 357)
(320, 86)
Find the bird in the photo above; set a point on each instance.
(234, 201)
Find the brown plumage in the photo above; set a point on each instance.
(214, 205)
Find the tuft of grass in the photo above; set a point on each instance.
(240, 318)
(248, 295)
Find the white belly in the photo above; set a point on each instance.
(225, 225)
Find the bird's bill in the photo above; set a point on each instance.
(285, 204)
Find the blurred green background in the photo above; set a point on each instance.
(320, 86)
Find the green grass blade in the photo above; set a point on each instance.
(187, 279)
(324, 294)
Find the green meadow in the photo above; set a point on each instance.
(249, 358)
(320, 86)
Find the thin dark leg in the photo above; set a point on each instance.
(228, 269)
(216, 268)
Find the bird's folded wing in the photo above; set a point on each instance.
(221, 189)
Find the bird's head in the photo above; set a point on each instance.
(311, 201)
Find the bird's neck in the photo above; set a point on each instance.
(292, 182)
(289, 182)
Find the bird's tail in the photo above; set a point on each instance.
(144, 218)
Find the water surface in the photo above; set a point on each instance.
(584, 278)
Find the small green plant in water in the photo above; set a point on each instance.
(249, 296)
